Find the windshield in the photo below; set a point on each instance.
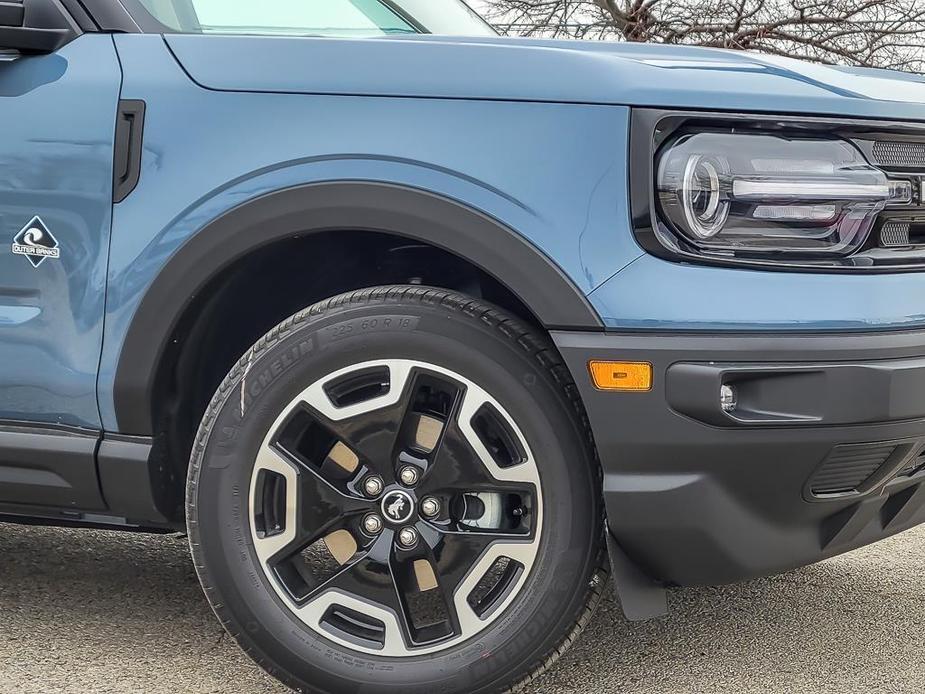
(341, 18)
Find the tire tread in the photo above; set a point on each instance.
(536, 346)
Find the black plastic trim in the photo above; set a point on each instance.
(141, 18)
(903, 451)
(28, 40)
(130, 480)
(650, 128)
(46, 26)
(42, 465)
(64, 518)
(799, 394)
(61, 475)
(695, 497)
(129, 143)
(79, 15)
(640, 597)
(304, 210)
(111, 16)
(12, 13)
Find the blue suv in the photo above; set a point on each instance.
(422, 333)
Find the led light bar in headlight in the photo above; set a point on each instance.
(756, 194)
(797, 189)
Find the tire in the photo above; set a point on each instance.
(265, 462)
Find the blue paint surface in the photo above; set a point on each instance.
(57, 117)
(588, 72)
(531, 133)
(207, 151)
(659, 295)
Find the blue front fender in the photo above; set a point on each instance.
(554, 173)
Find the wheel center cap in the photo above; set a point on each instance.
(397, 506)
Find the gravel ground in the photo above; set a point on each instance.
(89, 611)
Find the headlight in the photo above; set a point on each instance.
(740, 194)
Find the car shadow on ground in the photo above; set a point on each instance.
(850, 624)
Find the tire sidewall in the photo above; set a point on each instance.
(312, 346)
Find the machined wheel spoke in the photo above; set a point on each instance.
(374, 579)
(459, 552)
(482, 450)
(471, 497)
(470, 572)
(323, 507)
(274, 511)
(431, 403)
(368, 435)
(364, 409)
(303, 505)
(396, 507)
(458, 467)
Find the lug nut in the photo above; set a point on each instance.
(408, 537)
(430, 507)
(372, 524)
(409, 475)
(373, 486)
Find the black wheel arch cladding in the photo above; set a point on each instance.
(418, 215)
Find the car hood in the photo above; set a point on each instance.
(554, 71)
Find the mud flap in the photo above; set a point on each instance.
(640, 597)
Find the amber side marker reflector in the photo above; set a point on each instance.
(621, 375)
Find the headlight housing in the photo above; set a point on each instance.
(764, 194)
(778, 192)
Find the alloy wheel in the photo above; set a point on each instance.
(395, 508)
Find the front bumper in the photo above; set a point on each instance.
(821, 454)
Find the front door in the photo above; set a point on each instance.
(57, 123)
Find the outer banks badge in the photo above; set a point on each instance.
(36, 242)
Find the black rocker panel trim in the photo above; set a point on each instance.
(314, 208)
(49, 466)
(133, 483)
(68, 476)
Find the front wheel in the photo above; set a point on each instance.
(395, 489)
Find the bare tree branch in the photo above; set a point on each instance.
(868, 33)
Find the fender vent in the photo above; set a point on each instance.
(848, 467)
